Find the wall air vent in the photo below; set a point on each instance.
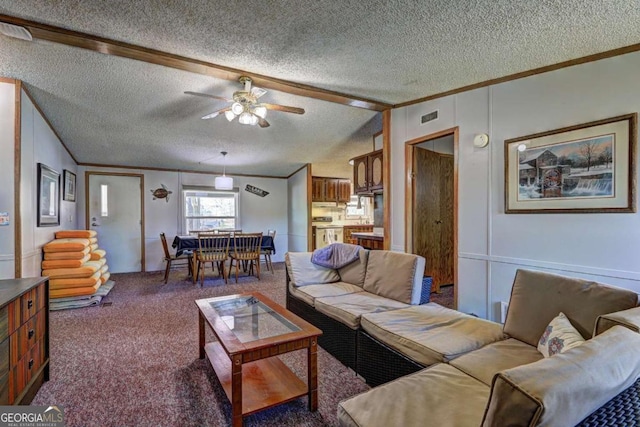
(429, 117)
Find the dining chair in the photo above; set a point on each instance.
(213, 248)
(246, 250)
(266, 253)
(173, 259)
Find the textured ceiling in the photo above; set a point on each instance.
(121, 111)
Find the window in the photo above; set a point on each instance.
(104, 200)
(208, 209)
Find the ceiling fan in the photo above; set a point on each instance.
(245, 105)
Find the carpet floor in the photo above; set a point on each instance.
(133, 361)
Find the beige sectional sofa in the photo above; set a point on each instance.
(507, 382)
(372, 318)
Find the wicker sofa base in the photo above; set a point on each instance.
(337, 339)
(379, 364)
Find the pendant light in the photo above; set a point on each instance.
(224, 182)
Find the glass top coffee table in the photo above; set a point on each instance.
(251, 330)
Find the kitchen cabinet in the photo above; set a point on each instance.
(356, 228)
(367, 173)
(330, 189)
(370, 241)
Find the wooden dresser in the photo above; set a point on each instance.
(24, 338)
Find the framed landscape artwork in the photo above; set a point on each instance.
(69, 192)
(588, 168)
(48, 196)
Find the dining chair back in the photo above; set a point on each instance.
(172, 259)
(266, 253)
(246, 250)
(214, 248)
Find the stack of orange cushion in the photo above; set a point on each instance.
(74, 263)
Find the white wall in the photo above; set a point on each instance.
(7, 141)
(39, 144)
(256, 213)
(492, 245)
(298, 211)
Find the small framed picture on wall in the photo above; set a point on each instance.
(48, 196)
(69, 193)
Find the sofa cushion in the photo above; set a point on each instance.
(538, 297)
(309, 293)
(303, 272)
(564, 389)
(559, 337)
(354, 273)
(430, 333)
(433, 396)
(395, 275)
(348, 308)
(484, 363)
(627, 318)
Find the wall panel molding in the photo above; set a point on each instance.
(559, 267)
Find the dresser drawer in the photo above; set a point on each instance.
(28, 304)
(4, 389)
(23, 339)
(24, 370)
(4, 357)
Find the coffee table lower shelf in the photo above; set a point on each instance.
(265, 382)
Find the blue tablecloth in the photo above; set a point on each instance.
(190, 243)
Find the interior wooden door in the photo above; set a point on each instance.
(426, 211)
(447, 206)
(433, 211)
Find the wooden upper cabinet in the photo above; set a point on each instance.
(360, 175)
(375, 170)
(367, 173)
(344, 191)
(317, 189)
(330, 190)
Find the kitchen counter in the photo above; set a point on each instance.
(369, 240)
(368, 235)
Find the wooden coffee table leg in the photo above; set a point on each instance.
(201, 331)
(236, 390)
(312, 374)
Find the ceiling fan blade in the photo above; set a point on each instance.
(263, 123)
(216, 113)
(257, 92)
(205, 95)
(284, 108)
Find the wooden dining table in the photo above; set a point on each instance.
(190, 243)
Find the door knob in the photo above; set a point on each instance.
(438, 221)
(95, 225)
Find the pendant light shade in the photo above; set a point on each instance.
(224, 182)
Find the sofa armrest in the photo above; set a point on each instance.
(563, 389)
(628, 318)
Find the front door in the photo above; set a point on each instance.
(115, 213)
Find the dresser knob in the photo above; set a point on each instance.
(31, 333)
(30, 364)
(30, 303)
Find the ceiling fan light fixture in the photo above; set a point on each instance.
(237, 108)
(246, 118)
(229, 115)
(260, 111)
(254, 120)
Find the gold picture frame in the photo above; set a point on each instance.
(587, 168)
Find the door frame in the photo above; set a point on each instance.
(87, 174)
(408, 197)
